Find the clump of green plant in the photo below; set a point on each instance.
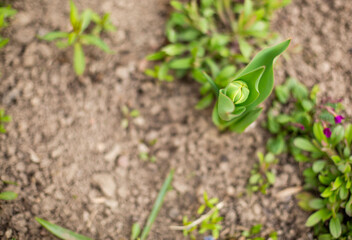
(136, 229)
(254, 234)
(206, 223)
(214, 36)
(5, 13)
(238, 99)
(313, 132)
(78, 36)
(261, 175)
(146, 154)
(3, 119)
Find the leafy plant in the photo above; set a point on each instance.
(60, 232)
(78, 37)
(261, 178)
(253, 232)
(214, 36)
(238, 99)
(136, 229)
(5, 14)
(102, 23)
(209, 222)
(313, 132)
(3, 119)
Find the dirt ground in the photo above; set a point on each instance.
(77, 167)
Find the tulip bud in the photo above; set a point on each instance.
(237, 91)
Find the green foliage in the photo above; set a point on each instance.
(78, 36)
(261, 176)
(313, 132)
(237, 103)
(255, 231)
(210, 223)
(5, 13)
(3, 119)
(8, 196)
(136, 235)
(60, 232)
(214, 36)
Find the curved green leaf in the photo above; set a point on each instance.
(78, 59)
(60, 232)
(265, 58)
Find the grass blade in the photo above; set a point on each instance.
(61, 232)
(157, 205)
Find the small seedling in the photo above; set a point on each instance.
(145, 154)
(136, 229)
(206, 223)
(3, 119)
(255, 232)
(60, 232)
(261, 176)
(128, 114)
(78, 36)
(5, 14)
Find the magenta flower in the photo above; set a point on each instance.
(338, 119)
(301, 127)
(327, 132)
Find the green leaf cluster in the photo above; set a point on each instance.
(5, 13)
(214, 36)
(297, 121)
(261, 175)
(209, 224)
(3, 119)
(78, 36)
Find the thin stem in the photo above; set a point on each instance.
(199, 220)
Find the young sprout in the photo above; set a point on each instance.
(78, 37)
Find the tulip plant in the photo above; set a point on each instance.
(238, 99)
(215, 36)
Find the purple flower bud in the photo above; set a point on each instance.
(338, 119)
(301, 127)
(208, 238)
(327, 132)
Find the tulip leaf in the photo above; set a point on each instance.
(244, 121)
(226, 108)
(252, 79)
(265, 58)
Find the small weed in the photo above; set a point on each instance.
(78, 36)
(206, 223)
(128, 114)
(255, 232)
(8, 196)
(261, 176)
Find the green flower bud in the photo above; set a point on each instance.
(237, 91)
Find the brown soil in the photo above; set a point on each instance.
(77, 167)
